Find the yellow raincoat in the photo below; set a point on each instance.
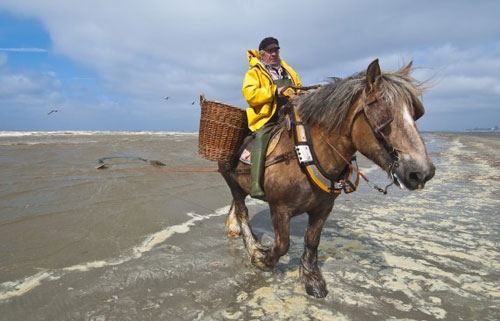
(259, 90)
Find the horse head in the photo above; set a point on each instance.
(384, 126)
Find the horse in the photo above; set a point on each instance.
(371, 112)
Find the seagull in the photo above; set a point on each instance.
(166, 97)
(192, 103)
(52, 111)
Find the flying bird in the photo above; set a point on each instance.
(166, 97)
(192, 103)
(52, 111)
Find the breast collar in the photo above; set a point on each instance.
(309, 162)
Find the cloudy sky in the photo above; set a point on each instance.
(107, 65)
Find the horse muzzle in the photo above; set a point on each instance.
(412, 175)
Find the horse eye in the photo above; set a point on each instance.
(418, 110)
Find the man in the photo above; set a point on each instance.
(264, 88)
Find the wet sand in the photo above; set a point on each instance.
(137, 242)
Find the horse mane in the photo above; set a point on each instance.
(328, 106)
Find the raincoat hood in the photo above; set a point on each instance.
(260, 91)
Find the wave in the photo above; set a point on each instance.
(90, 133)
(12, 289)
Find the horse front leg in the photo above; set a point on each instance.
(310, 273)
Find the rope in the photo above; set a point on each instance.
(167, 170)
(155, 163)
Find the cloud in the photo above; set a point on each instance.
(28, 88)
(140, 53)
(23, 50)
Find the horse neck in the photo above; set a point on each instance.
(332, 149)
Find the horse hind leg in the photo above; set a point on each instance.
(237, 223)
(233, 227)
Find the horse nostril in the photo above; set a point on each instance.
(417, 180)
(416, 177)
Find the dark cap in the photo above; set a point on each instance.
(269, 43)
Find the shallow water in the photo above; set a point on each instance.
(136, 242)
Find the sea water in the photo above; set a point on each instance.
(134, 241)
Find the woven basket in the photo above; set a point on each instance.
(222, 128)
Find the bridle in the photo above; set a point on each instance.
(379, 116)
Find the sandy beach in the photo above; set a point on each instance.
(138, 242)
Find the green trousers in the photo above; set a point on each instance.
(258, 159)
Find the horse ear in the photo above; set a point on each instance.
(372, 75)
(406, 70)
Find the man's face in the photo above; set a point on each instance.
(271, 56)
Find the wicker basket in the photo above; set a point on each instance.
(222, 128)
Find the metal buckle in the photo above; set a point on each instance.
(304, 153)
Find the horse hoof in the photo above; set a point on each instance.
(313, 281)
(259, 259)
(233, 234)
(317, 292)
(262, 266)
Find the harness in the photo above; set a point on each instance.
(348, 179)
(378, 115)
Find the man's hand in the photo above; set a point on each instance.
(286, 91)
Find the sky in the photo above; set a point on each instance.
(109, 64)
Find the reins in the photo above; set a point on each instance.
(378, 116)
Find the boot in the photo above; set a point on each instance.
(258, 158)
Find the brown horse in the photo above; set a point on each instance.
(372, 112)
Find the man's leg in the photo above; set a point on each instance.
(258, 158)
